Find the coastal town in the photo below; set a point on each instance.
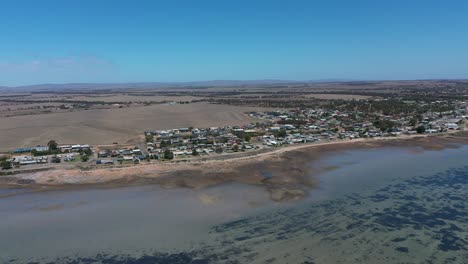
(278, 128)
(233, 132)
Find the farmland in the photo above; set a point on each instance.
(122, 125)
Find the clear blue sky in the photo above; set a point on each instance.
(138, 41)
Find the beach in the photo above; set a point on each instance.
(280, 171)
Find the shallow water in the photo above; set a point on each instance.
(87, 222)
(389, 205)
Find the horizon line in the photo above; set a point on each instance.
(252, 81)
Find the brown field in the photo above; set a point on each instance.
(19, 106)
(135, 98)
(112, 98)
(105, 126)
(338, 96)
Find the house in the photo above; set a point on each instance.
(22, 150)
(136, 151)
(41, 148)
(105, 161)
(65, 148)
(103, 154)
(141, 157)
(27, 162)
(288, 127)
(76, 147)
(126, 152)
(452, 126)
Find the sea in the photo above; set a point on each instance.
(379, 205)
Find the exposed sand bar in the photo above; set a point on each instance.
(284, 171)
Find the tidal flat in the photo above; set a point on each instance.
(378, 205)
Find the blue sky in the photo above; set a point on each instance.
(139, 41)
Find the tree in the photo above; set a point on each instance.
(247, 138)
(87, 152)
(164, 143)
(414, 121)
(384, 125)
(281, 133)
(168, 154)
(194, 152)
(6, 165)
(219, 150)
(235, 148)
(84, 158)
(52, 145)
(149, 138)
(421, 129)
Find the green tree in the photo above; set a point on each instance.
(168, 154)
(384, 125)
(87, 152)
(414, 121)
(149, 138)
(6, 165)
(421, 129)
(247, 138)
(219, 150)
(52, 145)
(281, 133)
(164, 143)
(194, 152)
(84, 158)
(235, 148)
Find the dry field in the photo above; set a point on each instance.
(105, 126)
(338, 96)
(135, 98)
(17, 109)
(111, 98)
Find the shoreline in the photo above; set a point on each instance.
(281, 171)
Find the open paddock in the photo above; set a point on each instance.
(339, 96)
(105, 126)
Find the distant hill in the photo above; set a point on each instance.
(136, 85)
(210, 83)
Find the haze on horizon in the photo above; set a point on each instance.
(177, 41)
